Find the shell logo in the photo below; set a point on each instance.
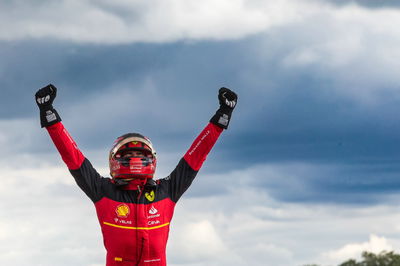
(122, 211)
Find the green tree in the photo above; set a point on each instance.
(370, 259)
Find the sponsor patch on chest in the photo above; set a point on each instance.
(122, 211)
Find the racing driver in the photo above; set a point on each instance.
(134, 209)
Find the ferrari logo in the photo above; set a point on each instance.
(122, 210)
(149, 196)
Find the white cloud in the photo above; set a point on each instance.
(44, 216)
(352, 47)
(15, 134)
(155, 21)
(112, 22)
(375, 244)
(197, 241)
(44, 210)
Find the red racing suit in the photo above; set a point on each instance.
(135, 224)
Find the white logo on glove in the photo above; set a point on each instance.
(231, 104)
(43, 100)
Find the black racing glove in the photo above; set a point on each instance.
(227, 102)
(44, 99)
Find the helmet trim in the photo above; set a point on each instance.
(131, 139)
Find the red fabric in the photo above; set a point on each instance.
(134, 233)
(202, 145)
(66, 146)
(148, 224)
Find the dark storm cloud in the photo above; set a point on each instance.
(282, 116)
(366, 183)
(185, 77)
(316, 125)
(86, 70)
(77, 70)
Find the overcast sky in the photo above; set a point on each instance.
(308, 171)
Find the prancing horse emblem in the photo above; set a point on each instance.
(150, 196)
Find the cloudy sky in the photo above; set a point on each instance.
(308, 171)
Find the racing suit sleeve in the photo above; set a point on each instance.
(183, 175)
(87, 178)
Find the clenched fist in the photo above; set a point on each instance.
(227, 102)
(44, 99)
(46, 95)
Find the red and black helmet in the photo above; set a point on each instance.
(132, 166)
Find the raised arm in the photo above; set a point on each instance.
(203, 144)
(85, 175)
(184, 173)
(50, 119)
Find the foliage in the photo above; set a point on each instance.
(370, 259)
